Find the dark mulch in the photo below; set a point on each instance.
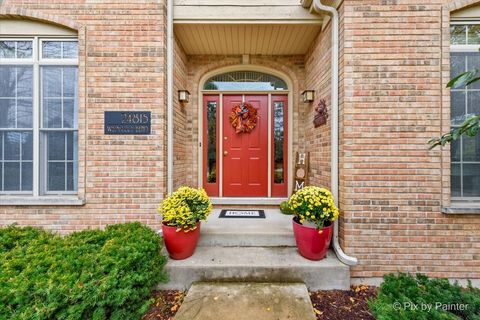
(341, 305)
(165, 306)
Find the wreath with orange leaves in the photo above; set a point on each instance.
(244, 117)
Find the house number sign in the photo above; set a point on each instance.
(128, 122)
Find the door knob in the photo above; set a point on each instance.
(225, 153)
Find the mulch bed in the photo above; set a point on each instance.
(165, 306)
(341, 305)
(328, 305)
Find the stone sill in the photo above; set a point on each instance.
(41, 201)
(462, 208)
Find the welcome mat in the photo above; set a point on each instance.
(253, 214)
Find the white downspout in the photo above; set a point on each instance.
(321, 8)
(169, 96)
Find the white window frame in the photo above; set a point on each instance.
(464, 48)
(39, 181)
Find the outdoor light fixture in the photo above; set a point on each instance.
(183, 96)
(308, 96)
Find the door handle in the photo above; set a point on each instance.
(225, 153)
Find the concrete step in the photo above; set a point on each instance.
(257, 264)
(273, 231)
(246, 301)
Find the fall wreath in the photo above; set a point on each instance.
(244, 117)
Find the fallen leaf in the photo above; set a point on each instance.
(215, 298)
(268, 309)
(352, 300)
(174, 308)
(318, 312)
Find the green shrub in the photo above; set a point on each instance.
(285, 208)
(92, 274)
(404, 297)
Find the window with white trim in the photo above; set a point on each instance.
(38, 116)
(465, 101)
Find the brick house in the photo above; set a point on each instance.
(64, 64)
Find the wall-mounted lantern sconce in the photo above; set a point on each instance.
(308, 96)
(183, 96)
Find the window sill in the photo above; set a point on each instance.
(462, 208)
(41, 201)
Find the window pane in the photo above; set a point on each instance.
(278, 136)
(52, 82)
(7, 81)
(473, 34)
(60, 49)
(69, 81)
(457, 107)
(16, 49)
(457, 64)
(12, 141)
(245, 80)
(62, 161)
(70, 49)
(473, 62)
(56, 176)
(24, 82)
(56, 145)
(471, 180)
(71, 145)
(7, 110)
(24, 49)
(59, 97)
(52, 113)
(455, 151)
(52, 49)
(456, 180)
(27, 146)
(212, 142)
(471, 148)
(27, 175)
(71, 177)
(458, 34)
(11, 176)
(69, 112)
(24, 113)
(473, 106)
(7, 49)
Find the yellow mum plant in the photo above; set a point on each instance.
(314, 204)
(185, 207)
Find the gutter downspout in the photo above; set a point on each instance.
(318, 7)
(170, 96)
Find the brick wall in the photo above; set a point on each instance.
(317, 141)
(122, 67)
(396, 66)
(181, 125)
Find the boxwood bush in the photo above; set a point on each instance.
(405, 297)
(93, 274)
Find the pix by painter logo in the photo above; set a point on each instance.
(428, 307)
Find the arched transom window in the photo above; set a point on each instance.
(245, 81)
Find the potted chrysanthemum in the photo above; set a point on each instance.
(182, 212)
(314, 212)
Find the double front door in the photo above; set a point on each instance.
(248, 163)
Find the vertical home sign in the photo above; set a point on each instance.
(300, 179)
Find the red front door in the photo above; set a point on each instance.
(245, 155)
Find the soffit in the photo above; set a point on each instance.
(255, 39)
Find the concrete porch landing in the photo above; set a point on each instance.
(254, 250)
(246, 301)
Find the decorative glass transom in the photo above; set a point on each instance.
(245, 81)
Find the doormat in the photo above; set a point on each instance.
(253, 214)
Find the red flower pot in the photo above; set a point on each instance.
(180, 245)
(311, 243)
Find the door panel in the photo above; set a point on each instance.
(245, 158)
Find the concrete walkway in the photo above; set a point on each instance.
(246, 301)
